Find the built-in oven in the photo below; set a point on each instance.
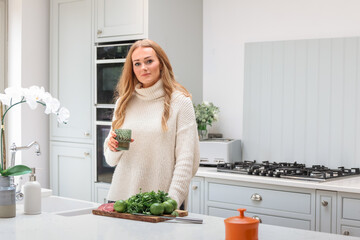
(110, 59)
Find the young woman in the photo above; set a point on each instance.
(159, 111)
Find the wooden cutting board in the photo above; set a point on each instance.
(107, 209)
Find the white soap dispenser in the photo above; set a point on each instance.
(32, 195)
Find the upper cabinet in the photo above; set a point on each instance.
(117, 20)
(175, 25)
(71, 68)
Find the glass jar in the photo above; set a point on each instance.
(202, 131)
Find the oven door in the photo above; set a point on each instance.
(107, 77)
(103, 171)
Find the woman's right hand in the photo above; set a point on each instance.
(112, 143)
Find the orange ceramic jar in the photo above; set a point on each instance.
(241, 227)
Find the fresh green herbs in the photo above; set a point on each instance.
(141, 202)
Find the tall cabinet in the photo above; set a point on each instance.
(77, 27)
(71, 68)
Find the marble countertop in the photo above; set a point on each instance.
(87, 226)
(346, 184)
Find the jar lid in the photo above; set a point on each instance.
(241, 219)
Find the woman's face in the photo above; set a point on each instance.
(146, 66)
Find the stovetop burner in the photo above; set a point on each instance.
(287, 170)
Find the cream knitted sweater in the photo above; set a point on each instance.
(156, 160)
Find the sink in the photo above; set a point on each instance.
(64, 206)
(67, 206)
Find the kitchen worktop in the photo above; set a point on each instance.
(344, 184)
(88, 226)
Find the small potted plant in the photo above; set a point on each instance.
(206, 113)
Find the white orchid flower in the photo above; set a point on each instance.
(15, 94)
(5, 99)
(52, 104)
(63, 115)
(206, 103)
(32, 95)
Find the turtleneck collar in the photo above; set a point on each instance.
(150, 93)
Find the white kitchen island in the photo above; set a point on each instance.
(49, 226)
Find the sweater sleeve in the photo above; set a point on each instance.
(187, 155)
(112, 158)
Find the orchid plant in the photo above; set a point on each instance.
(32, 96)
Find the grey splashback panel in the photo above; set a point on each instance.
(302, 101)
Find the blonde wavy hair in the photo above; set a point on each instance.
(127, 82)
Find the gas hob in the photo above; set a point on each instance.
(293, 170)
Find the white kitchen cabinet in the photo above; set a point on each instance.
(101, 192)
(71, 170)
(326, 211)
(273, 205)
(348, 214)
(176, 25)
(71, 68)
(117, 20)
(196, 196)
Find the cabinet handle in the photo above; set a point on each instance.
(99, 31)
(324, 203)
(347, 233)
(86, 154)
(256, 197)
(257, 218)
(86, 134)
(194, 187)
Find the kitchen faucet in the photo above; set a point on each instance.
(19, 195)
(14, 149)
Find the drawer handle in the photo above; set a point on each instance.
(256, 197)
(194, 187)
(86, 154)
(347, 233)
(99, 31)
(324, 203)
(257, 218)
(86, 134)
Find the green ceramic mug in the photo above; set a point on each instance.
(123, 136)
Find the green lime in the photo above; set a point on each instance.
(168, 207)
(173, 202)
(120, 206)
(157, 208)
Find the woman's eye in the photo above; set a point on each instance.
(136, 64)
(149, 61)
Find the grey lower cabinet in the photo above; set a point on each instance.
(71, 168)
(275, 205)
(101, 192)
(326, 218)
(348, 214)
(196, 196)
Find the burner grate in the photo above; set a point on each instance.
(287, 170)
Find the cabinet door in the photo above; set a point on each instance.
(196, 196)
(101, 192)
(71, 68)
(120, 19)
(326, 211)
(71, 170)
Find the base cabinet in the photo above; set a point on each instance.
(326, 211)
(275, 205)
(101, 192)
(348, 214)
(72, 170)
(196, 196)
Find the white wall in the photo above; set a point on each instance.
(228, 24)
(2, 43)
(28, 64)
